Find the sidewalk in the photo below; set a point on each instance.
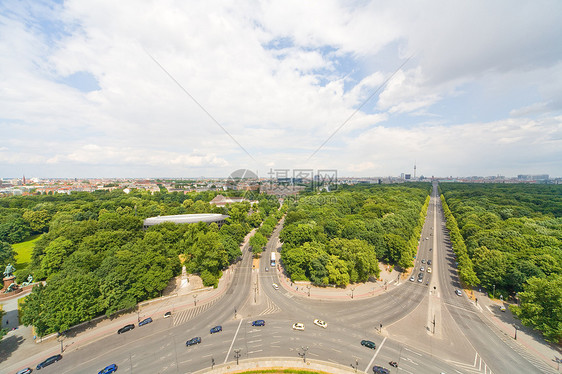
(387, 281)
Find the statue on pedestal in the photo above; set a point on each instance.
(9, 271)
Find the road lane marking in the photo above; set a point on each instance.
(407, 371)
(375, 355)
(409, 350)
(233, 339)
(259, 350)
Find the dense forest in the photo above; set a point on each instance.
(96, 259)
(510, 239)
(339, 237)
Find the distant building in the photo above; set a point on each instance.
(186, 218)
(222, 201)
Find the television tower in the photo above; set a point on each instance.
(414, 169)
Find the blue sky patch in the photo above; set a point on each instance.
(82, 81)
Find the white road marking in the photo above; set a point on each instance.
(337, 350)
(409, 350)
(405, 370)
(375, 355)
(233, 339)
(254, 341)
(259, 350)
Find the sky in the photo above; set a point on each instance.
(164, 88)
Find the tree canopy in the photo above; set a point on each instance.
(339, 237)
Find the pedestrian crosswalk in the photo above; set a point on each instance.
(186, 315)
(271, 308)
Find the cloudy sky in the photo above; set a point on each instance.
(156, 88)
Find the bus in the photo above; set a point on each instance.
(272, 259)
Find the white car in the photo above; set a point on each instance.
(458, 292)
(429, 270)
(275, 286)
(319, 322)
(298, 326)
(502, 308)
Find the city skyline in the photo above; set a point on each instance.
(151, 90)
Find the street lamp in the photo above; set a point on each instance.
(356, 365)
(352, 289)
(237, 354)
(308, 286)
(303, 354)
(195, 299)
(494, 294)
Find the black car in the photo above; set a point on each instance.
(259, 322)
(49, 361)
(429, 262)
(380, 370)
(126, 328)
(216, 329)
(193, 341)
(368, 344)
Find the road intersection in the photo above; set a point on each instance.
(424, 326)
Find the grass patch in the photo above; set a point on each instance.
(23, 250)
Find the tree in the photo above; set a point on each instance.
(55, 254)
(541, 306)
(258, 241)
(6, 254)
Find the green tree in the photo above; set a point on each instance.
(541, 306)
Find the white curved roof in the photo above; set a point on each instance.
(186, 218)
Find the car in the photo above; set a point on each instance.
(458, 292)
(145, 321)
(420, 280)
(423, 261)
(502, 308)
(428, 269)
(266, 268)
(298, 326)
(412, 279)
(429, 261)
(126, 328)
(109, 369)
(49, 361)
(422, 269)
(193, 341)
(427, 238)
(216, 329)
(274, 285)
(420, 275)
(167, 314)
(319, 322)
(368, 344)
(25, 371)
(259, 322)
(380, 370)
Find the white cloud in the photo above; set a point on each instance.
(280, 103)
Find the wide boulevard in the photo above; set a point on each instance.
(424, 326)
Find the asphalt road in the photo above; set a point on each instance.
(458, 342)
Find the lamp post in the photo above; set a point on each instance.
(308, 286)
(303, 354)
(195, 299)
(237, 354)
(352, 289)
(494, 294)
(356, 365)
